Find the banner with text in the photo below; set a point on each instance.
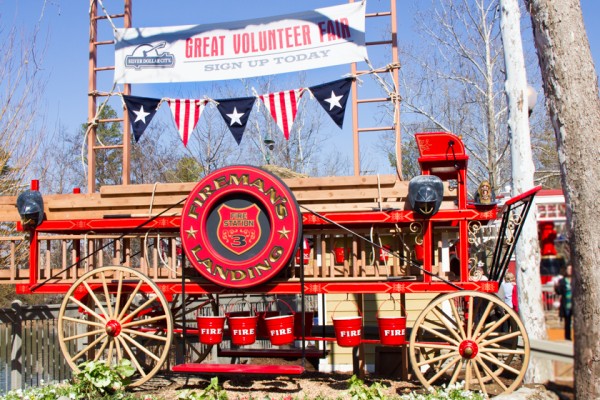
(312, 39)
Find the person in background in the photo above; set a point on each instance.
(563, 288)
(515, 298)
(507, 289)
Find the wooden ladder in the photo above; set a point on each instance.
(98, 15)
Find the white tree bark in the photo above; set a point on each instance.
(527, 250)
(571, 89)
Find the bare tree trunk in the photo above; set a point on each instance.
(528, 248)
(571, 88)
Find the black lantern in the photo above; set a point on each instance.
(31, 208)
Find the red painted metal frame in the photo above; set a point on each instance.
(119, 225)
(314, 287)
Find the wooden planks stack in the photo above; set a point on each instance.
(325, 194)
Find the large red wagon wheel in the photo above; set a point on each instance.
(472, 337)
(114, 313)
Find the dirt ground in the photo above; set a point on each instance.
(309, 385)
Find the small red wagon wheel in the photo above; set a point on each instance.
(114, 313)
(472, 337)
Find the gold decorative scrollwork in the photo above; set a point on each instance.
(513, 224)
(475, 274)
(417, 229)
(474, 229)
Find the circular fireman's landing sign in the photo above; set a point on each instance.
(240, 226)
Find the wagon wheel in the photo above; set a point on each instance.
(114, 313)
(472, 337)
(190, 306)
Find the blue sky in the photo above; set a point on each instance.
(66, 25)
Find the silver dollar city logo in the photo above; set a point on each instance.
(148, 56)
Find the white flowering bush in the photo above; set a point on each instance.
(452, 392)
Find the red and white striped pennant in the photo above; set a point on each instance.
(186, 113)
(283, 107)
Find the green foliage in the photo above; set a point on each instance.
(452, 392)
(96, 379)
(188, 170)
(359, 391)
(213, 391)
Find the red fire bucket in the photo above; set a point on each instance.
(348, 330)
(392, 330)
(242, 329)
(210, 329)
(281, 329)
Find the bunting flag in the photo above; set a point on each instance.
(235, 112)
(333, 97)
(283, 107)
(141, 110)
(186, 113)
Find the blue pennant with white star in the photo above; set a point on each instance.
(235, 112)
(141, 110)
(332, 96)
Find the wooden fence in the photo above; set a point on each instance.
(29, 348)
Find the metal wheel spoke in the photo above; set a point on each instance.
(84, 322)
(129, 300)
(457, 318)
(493, 328)
(88, 347)
(443, 370)
(501, 350)
(439, 334)
(119, 293)
(86, 308)
(107, 296)
(140, 346)
(468, 374)
(132, 358)
(499, 363)
(479, 378)
(434, 346)
(145, 321)
(484, 316)
(139, 309)
(111, 348)
(470, 320)
(147, 335)
(85, 334)
(101, 350)
(96, 301)
(444, 320)
(490, 373)
(457, 370)
(501, 338)
(118, 350)
(438, 358)
(435, 322)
